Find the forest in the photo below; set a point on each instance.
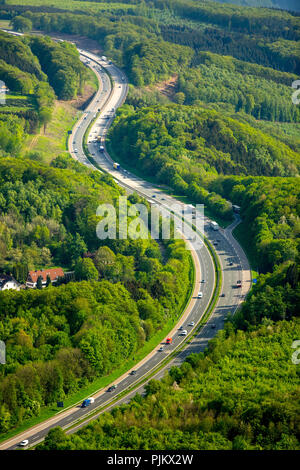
(36, 71)
(228, 398)
(125, 291)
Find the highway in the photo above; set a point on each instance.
(99, 114)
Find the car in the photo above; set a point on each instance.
(215, 243)
(230, 264)
(203, 280)
(119, 86)
(183, 333)
(180, 328)
(24, 443)
(112, 388)
(192, 323)
(153, 195)
(200, 295)
(223, 295)
(213, 326)
(161, 348)
(75, 150)
(133, 372)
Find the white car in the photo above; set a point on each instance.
(183, 333)
(24, 443)
(75, 151)
(192, 323)
(161, 348)
(200, 295)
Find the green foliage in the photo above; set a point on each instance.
(228, 398)
(58, 338)
(21, 72)
(185, 147)
(16, 52)
(270, 211)
(250, 88)
(275, 297)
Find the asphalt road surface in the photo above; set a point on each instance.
(101, 110)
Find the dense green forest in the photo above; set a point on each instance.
(242, 394)
(29, 101)
(146, 38)
(186, 147)
(60, 61)
(271, 216)
(256, 90)
(291, 5)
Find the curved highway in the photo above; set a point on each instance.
(113, 88)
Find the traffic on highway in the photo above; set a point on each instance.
(96, 119)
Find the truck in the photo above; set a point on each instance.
(116, 166)
(87, 402)
(236, 208)
(214, 225)
(169, 340)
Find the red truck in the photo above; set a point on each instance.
(169, 340)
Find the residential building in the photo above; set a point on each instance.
(53, 273)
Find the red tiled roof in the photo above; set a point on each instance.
(53, 273)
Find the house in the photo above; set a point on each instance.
(8, 282)
(53, 273)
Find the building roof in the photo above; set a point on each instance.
(54, 273)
